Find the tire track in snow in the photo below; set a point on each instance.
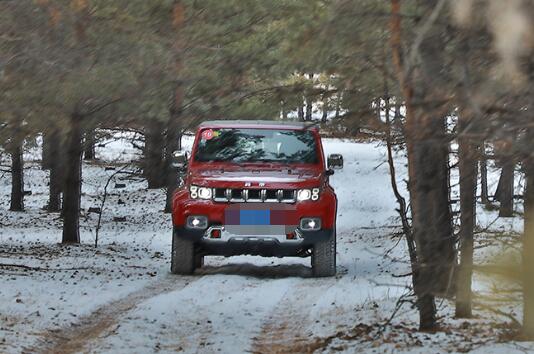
(284, 331)
(78, 336)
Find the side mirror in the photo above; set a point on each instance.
(329, 172)
(335, 161)
(179, 159)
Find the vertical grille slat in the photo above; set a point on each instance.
(280, 195)
(250, 195)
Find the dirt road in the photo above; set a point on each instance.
(241, 305)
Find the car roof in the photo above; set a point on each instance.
(260, 124)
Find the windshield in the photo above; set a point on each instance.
(257, 145)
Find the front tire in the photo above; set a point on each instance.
(199, 261)
(324, 257)
(182, 255)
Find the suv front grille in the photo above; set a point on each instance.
(254, 195)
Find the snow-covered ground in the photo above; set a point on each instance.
(120, 296)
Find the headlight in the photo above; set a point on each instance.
(204, 193)
(304, 194)
(200, 192)
(307, 194)
(197, 222)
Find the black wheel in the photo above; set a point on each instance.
(199, 261)
(324, 257)
(182, 256)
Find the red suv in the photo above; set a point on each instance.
(254, 188)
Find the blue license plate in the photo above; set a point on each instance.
(254, 217)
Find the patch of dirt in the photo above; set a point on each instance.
(284, 331)
(77, 337)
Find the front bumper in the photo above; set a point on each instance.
(325, 208)
(268, 245)
(258, 245)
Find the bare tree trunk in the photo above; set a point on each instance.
(46, 156)
(17, 173)
(283, 109)
(403, 208)
(378, 110)
(445, 239)
(154, 159)
(468, 186)
(428, 162)
(425, 301)
(309, 101)
(174, 126)
(428, 150)
(173, 143)
(484, 196)
(324, 118)
(431, 215)
(497, 195)
(301, 112)
(89, 145)
(423, 272)
(506, 189)
(56, 180)
(338, 105)
(309, 107)
(528, 245)
(73, 182)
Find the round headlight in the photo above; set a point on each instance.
(204, 193)
(304, 194)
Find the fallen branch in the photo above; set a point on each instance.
(22, 266)
(402, 275)
(41, 269)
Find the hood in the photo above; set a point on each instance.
(286, 177)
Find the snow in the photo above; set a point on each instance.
(120, 297)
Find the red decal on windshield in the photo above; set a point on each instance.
(207, 134)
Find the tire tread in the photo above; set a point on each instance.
(324, 258)
(182, 256)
